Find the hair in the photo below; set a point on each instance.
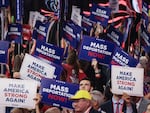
(83, 64)
(143, 60)
(19, 110)
(97, 96)
(63, 76)
(148, 104)
(53, 110)
(72, 57)
(86, 78)
(72, 60)
(17, 63)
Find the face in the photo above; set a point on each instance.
(81, 105)
(99, 30)
(12, 47)
(85, 85)
(148, 109)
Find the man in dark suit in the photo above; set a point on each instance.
(82, 102)
(118, 105)
(141, 103)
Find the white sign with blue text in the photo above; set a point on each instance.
(18, 93)
(34, 69)
(127, 80)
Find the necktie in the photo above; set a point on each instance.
(117, 108)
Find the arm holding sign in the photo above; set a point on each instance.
(19, 110)
(38, 100)
(99, 75)
(127, 99)
(96, 30)
(11, 55)
(95, 67)
(17, 65)
(33, 47)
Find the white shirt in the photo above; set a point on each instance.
(121, 101)
(138, 103)
(88, 110)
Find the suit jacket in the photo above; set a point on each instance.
(108, 107)
(92, 110)
(143, 105)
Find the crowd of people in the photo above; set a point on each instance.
(94, 80)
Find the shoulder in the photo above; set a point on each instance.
(146, 101)
(92, 110)
(109, 102)
(106, 107)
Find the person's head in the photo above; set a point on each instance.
(81, 101)
(143, 61)
(53, 110)
(86, 84)
(148, 108)
(83, 64)
(72, 57)
(63, 76)
(25, 46)
(97, 99)
(19, 110)
(99, 30)
(12, 46)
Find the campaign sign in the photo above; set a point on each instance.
(114, 5)
(4, 45)
(127, 80)
(18, 93)
(96, 48)
(115, 36)
(72, 34)
(14, 33)
(49, 52)
(146, 49)
(34, 16)
(40, 31)
(121, 58)
(75, 16)
(145, 13)
(86, 23)
(58, 70)
(57, 93)
(2, 109)
(145, 37)
(33, 68)
(58, 67)
(4, 3)
(100, 14)
(19, 7)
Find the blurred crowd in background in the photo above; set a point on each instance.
(91, 74)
